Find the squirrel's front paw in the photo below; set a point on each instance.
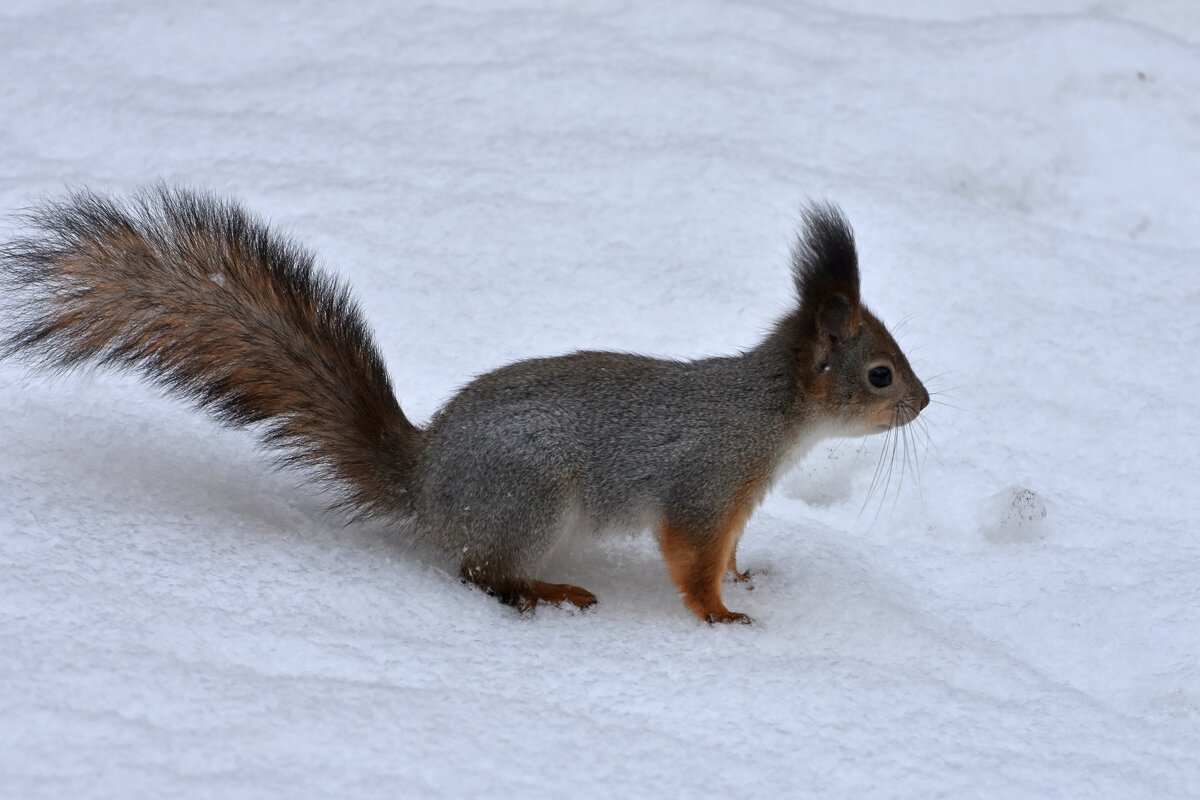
(728, 616)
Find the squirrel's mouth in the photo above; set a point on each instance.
(897, 416)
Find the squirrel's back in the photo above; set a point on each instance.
(629, 433)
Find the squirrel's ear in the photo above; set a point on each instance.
(833, 319)
(825, 269)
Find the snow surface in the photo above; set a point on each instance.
(515, 178)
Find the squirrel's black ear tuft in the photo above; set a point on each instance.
(824, 262)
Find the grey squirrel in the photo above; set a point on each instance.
(200, 298)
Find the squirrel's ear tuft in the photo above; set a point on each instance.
(825, 265)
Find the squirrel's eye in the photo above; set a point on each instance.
(880, 377)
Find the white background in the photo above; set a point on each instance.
(176, 620)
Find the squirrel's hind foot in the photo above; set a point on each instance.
(526, 595)
(555, 594)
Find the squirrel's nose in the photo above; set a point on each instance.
(924, 399)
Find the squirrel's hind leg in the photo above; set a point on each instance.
(503, 530)
(504, 566)
(559, 593)
(526, 594)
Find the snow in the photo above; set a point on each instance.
(523, 178)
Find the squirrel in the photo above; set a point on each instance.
(200, 298)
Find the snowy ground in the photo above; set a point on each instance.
(177, 621)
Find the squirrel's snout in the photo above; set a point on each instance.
(924, 401)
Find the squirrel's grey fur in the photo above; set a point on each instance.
(202, 299)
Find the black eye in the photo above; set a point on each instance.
(880, 377)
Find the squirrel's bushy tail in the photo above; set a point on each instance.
(200, 298)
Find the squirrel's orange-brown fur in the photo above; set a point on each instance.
(698, 559)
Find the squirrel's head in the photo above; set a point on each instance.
(847, 361)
